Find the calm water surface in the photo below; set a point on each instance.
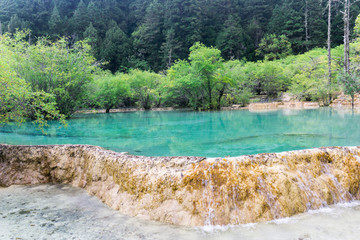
(210, 134)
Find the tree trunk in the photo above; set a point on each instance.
(346, 36)
(329, 50)
(306, 25)
(221, 94)
(210, 94)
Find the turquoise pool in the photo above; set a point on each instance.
(209, 134)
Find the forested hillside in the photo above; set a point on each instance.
(153, 34)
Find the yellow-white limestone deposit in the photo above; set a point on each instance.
(193, 191)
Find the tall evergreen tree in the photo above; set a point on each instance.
(148, 38)
(231, 40)
(15, 23)
(317, 24)
(79, 19)
(170, 48)
(289, 22)
(55, 22)
(91, 34)
(116, 48)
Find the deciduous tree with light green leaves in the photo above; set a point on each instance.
(202, 79)
(351, 84)
(54, 68)
(18, 102)
(145, 88)
(110, 90)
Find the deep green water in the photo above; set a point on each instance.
(210, 134)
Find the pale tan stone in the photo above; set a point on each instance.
(255, 107)
(193, 191)
(344, 101)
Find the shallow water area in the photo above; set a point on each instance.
(208, 134)
(65, 212)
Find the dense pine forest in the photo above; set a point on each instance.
(153, 34)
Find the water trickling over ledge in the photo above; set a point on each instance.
(193, 191)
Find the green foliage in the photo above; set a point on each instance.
(55, 21)
(263, 78)
(54, 68)
(157, 33)
(148, 38)
(309, 75)
(145, 88)
(202, 80)
(92, 37)
(116, 45)
(287, 20)
(236, 96)
(316, 24)
(17, 102)
(357, 27)
(270, 79)
(79, 19)
(274, 47)
(170, 48)
(109, 91)
(231, 40)
(351, 83)
(15, 23)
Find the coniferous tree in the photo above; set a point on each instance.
(55, 22)
(163, 30)
(79, 19)
(116, 48)
(170, 48)
(317, 24)
(289, 22)
(94, 15)
(194, 21)
(148, 38)
(15, 23)
(91, 34)
(231, 40)
(175, 30)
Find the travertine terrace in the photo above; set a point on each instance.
(193, 191)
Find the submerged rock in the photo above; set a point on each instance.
(255, 107)
(193, 191)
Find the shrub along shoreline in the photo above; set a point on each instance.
(53, 80)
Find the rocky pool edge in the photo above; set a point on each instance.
(193, 191)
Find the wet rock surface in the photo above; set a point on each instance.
(191, 191)
(64, 212)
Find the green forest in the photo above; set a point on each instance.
(61, 56)
(153, 34)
